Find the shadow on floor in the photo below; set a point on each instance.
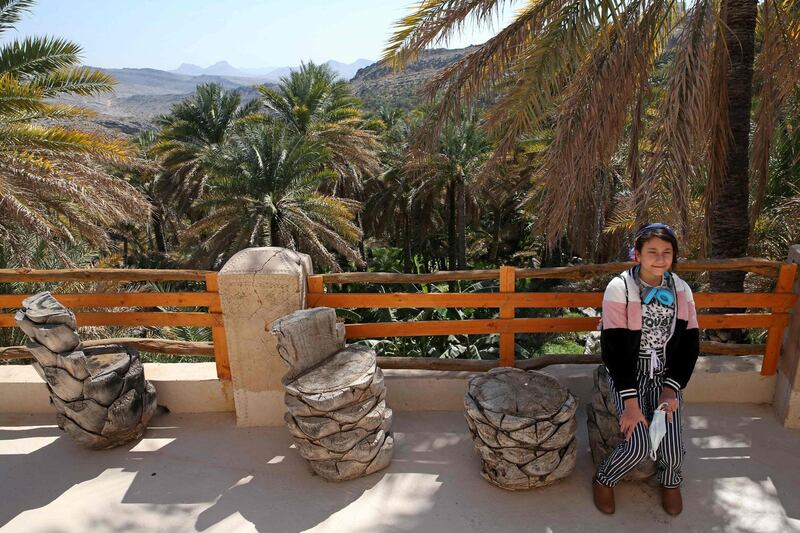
(202, 473)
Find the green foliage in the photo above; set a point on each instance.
(264, 191)
(51, 182)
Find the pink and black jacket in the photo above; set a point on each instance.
(621, 333)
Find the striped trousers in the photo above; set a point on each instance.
(629, 453)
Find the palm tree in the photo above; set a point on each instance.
(190, 136)
(314, 103)
(144, 171)
(581, 67)
(263, 191)
(388, 210)
(450, 170)
(51, 183)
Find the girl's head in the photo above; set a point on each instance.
(655, 248)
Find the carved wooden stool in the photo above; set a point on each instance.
(523, 427)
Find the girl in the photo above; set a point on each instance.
(650, 341)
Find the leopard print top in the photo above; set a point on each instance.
(656, 323)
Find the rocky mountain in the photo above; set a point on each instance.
(223, 68)
(377, 85)
(143, 93)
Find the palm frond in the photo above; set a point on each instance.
(776, 75)
(681, 140)
(38, 56)
(593, 113)
(34, 137)
(11, 12)
(80, 81)
(433, 22)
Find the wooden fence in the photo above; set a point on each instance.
(775, 319)
(774, 316)
(209, 299)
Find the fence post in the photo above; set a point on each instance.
(256, 286)
(218, 332)
(508, 278)
(772, 352)
(786, 401)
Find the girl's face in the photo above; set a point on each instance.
(655, 257)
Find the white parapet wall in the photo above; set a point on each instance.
(716, 379)
(180, 387)
(194, 387)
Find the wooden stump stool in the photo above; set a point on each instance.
(523, 427)
(335, 397)
(99, 393)
(603, 424)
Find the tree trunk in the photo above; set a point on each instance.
(362, 249)
(729, 222)
(634, 169)
(273, 231)
(158, 231)
(461, 223)
(452, 249)
(408, 260)
(498, 224)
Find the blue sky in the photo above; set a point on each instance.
(247, 33)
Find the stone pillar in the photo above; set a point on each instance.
(787, 388)
(257, 286)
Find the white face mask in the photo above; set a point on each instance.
(658, 428)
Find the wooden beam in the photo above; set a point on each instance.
(315, 286)
(724, 348)
(464, 327)
(537, 325)
(27, 275)
(742, 320)
(122, 299)
(163, 346)
(775, 334)
(747, 264)
(135, 319)
(507, 311)
(436, 363)
(785, 285)
(479, 365)
(392, 277)
(402, 300)
(218, 331)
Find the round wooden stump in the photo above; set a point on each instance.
(335, 397)
(603, 424)
(523, 427)
(99, 393)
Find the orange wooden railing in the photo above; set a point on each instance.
(209, 299)
(507, 300)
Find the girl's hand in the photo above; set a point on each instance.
(631, 416)
(669, 397)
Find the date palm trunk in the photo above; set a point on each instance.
(498, 224)
(461, 223)
(452, 249)
(408, 260)
(729, 223)
(158, 230)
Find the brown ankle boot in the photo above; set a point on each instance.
(603, 497)
(671, 500)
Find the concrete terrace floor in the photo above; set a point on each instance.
(201, 473)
